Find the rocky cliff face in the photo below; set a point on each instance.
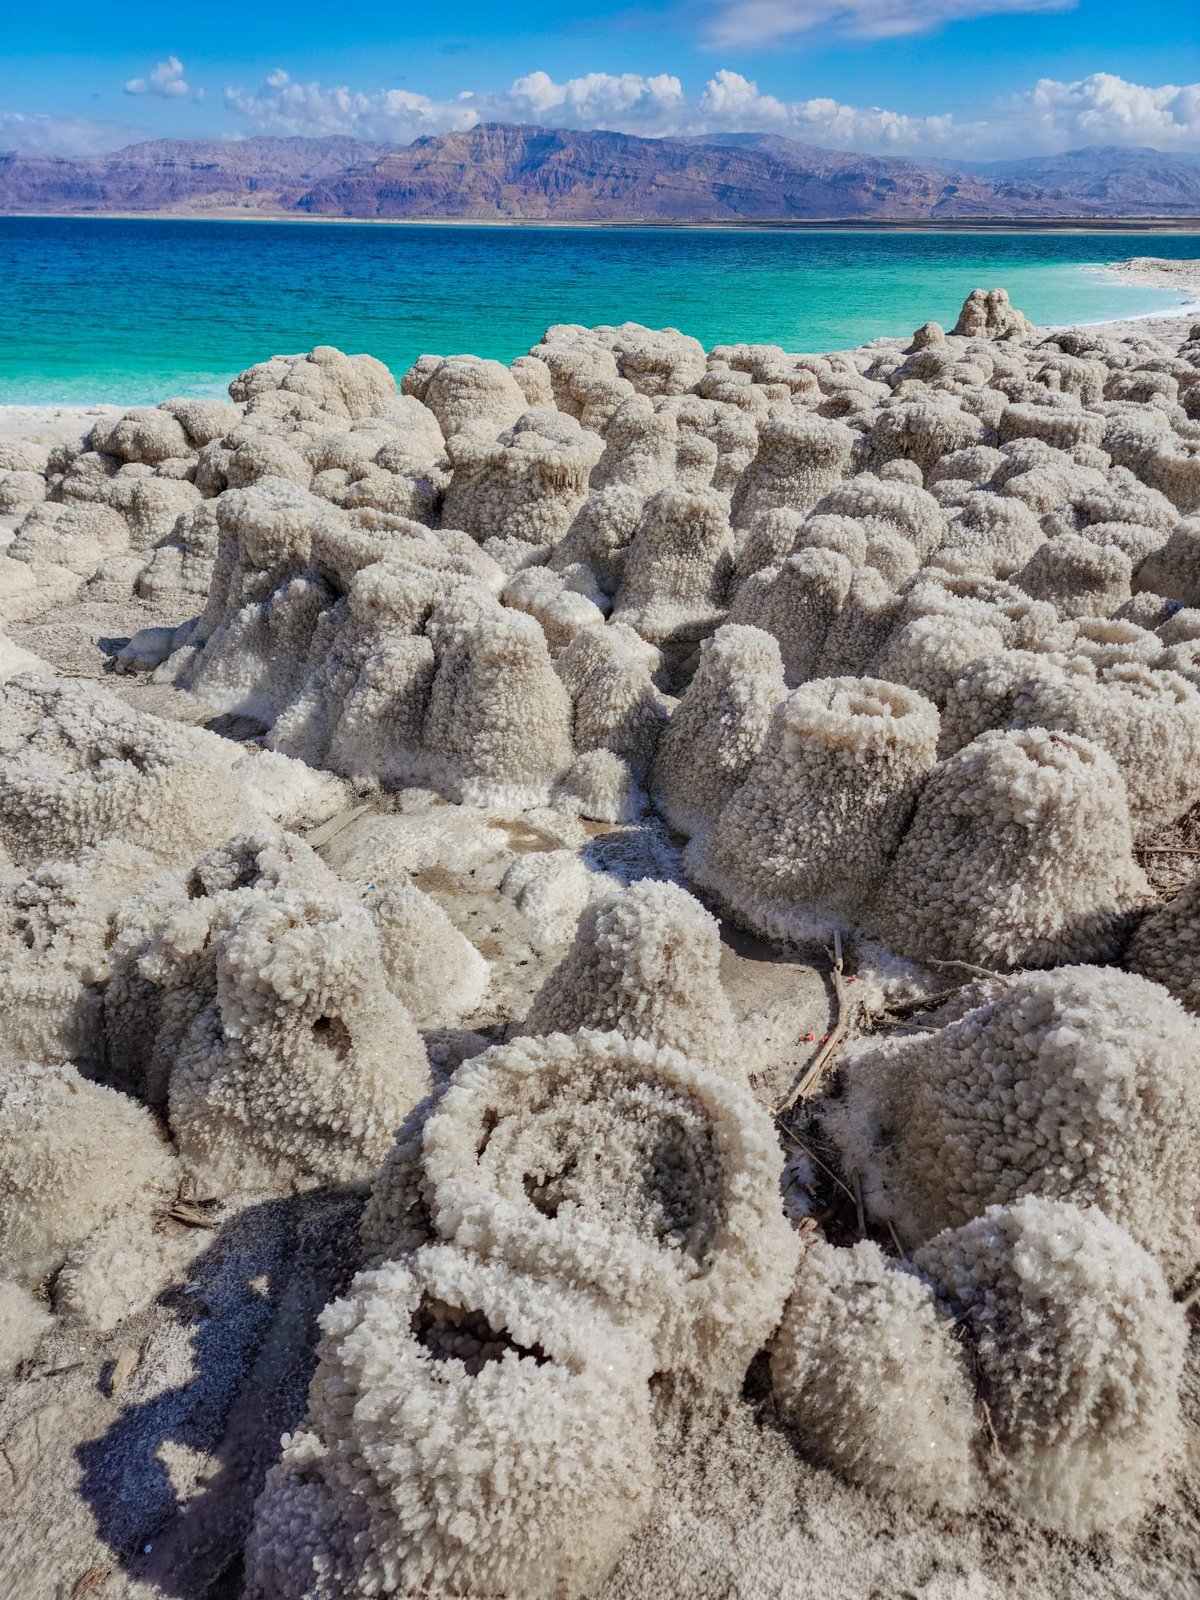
(500, 171)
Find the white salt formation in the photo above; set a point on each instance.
(1079, 1085)
(808, 835)
(718, 729)
(619, 1164)
(374, 871)
(1079, 1352)
(862, 1341)
(471, 1430)
(1042, 821)
(644, 962)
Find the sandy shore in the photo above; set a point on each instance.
(51, 422)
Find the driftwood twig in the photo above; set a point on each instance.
(846, 1016)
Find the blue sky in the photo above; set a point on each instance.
(945, 78)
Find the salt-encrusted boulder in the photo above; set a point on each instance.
(922, 432)
(342, 385)
(865, 1367)
(1147, 718)
(70, 533)
(431, 967)
(600, 534)
(677, 568)
(303, 1062)
(247, 651)
(1079, 576)
(1079, 1084)
(800, 458)
(645, 961)
(78, 767)
(990, 533)
(990, 314)
(932, 652)
(1020, 853)
(1079, 1354)
(562, 611)
(888, 505)
(75, 1153)
(55, 936)
(869, 612)
(461, 390)
(498, 728)
(471, 1430)
(803, 843)
(615, 705)
(623, 1167)
(717, 730)
(797, 602)
(524, 485)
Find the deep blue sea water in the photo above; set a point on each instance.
(98, 309)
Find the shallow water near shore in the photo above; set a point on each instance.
(129, 310)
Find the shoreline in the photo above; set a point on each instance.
(21, 419)
(1117, 226)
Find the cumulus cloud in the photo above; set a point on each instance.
(597, 100)
(63, 136)
(1105, 109)
(757, 22)
(286, 107)
(166, 81)
(1049, 117)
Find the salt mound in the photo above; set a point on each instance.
(1078, 1084)
(1080, 1354)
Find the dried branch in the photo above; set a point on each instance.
(846, 1015)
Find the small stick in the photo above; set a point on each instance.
(991, 1428)
(813, 1156)
(896, 1242)
(329, 830)
(969, 966)
(858, 1206)
(846, 1016)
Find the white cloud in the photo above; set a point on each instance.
(732, 104)
(284, 107)
(63, 136)
(1103, 109)
(166, 81)
(1049, 117)
(758, 22)
(599, 99)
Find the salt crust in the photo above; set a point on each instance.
(622, 572)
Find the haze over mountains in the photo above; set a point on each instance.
(501, 171)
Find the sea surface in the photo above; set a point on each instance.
(107, 309)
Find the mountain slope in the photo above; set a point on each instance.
(1113, 177)
(502, 171)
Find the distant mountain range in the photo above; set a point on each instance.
(499, 171)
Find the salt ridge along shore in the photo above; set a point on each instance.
(1161, 273)
(600, 975)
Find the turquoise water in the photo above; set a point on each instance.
(98, 309)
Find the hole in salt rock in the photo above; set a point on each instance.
(334, 1034)
(457, 1333)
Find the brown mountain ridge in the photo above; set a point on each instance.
(500, 171)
